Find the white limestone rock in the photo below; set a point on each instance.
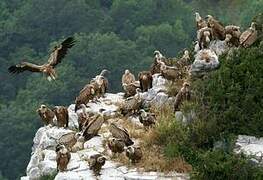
(250, 146)
(219, 47)
(205, 61)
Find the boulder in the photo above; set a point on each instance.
(205, 61)
(250, 146)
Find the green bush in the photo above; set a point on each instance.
(220, 165)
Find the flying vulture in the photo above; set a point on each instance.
(58, 53)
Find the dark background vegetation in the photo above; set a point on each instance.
(113, 34)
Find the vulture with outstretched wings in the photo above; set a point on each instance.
(58, 53)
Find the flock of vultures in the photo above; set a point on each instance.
(208, 29)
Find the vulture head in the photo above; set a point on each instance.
(103, 72)
(186, 84)
(207, 34)
(197, 17)
(208, 17)
(228, 38)
(253, 26)
(156, 52)
(186, 54)
(127, 71)
(42, 108)
(101, 159)
(129, 150)
(163, 66)
(59, 147)
(143, 113)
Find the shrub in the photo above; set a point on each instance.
(220, 165)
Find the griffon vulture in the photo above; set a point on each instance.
(63, 157)
(62, 116)
(170, 73)
(204, 37)
(83, 117)
(217, 27)
(200, 22)
(85, 95)
(147, 119)
(130, 89)
(93, 127)
(68, 140)
(46, 114)
(249, 36)
(116, 145)
(232, 35)
(48, 68)
(101, 83)
(79, 145)
(145, 78)
(127, 78)
(158, 55)
(96, 161)
(182, 95)
(134, 154)
(131, 104)
(121, 134)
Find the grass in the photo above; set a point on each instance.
(155, 157)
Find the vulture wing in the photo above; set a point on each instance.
(57, 55)
(24, 66)
(122, 134)
(94, 126)
(248, 37)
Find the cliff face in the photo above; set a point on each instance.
(43, 156)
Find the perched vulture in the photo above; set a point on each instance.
(232, 35)
(63, 158)
(184, 60)
(68, 140)
(132, 104)
(204, 37)
(145, 78)
(249, 36)
(130, 89)
(200, 22)
(169, 72)
(46, 114)
(182, 95)
(217, 27)
(127, 78)
(101, 83)
(79, 145)
(158, 55)
(83, 117)
(85, 95)
(62, 116)
(134, 154)
(147, 119)
(96, 161)
(93, 127)
(155, 67)
(48, 68)
(116, 145)
(121, 134)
